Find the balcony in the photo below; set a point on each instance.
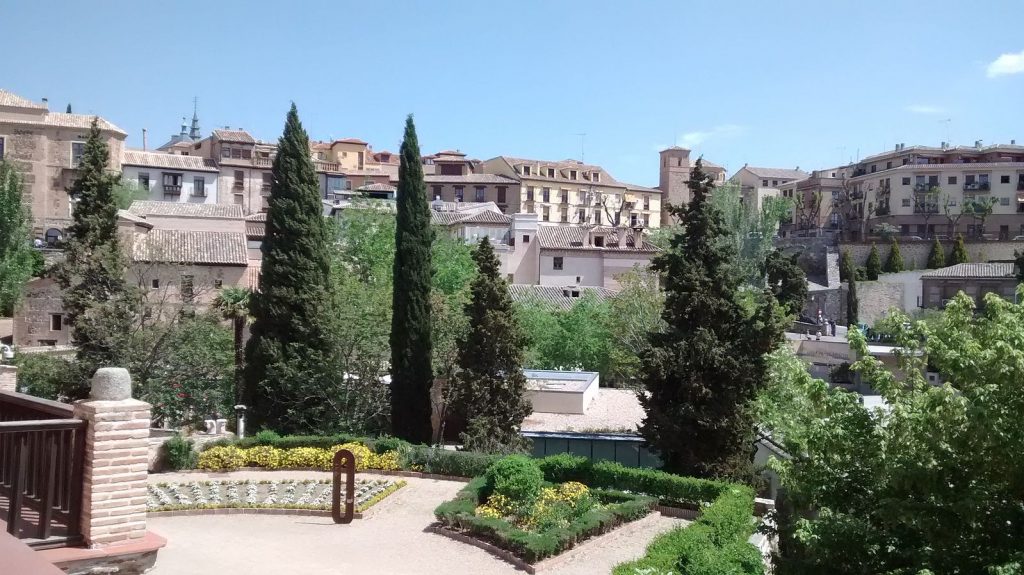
(924, 187)
(172, 189)
(929, 209)
(265, 189)
(262, 162)
(1020, 186)
(859, 172)
(326, 166)
(977, 187)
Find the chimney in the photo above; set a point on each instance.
(1013, 142)
(144, 139)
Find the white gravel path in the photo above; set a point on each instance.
(390, 540)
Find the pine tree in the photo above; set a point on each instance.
(289, 345)
(701, 372)
(787, 281)
(874, 264)
(490, 386)
(846, 268)
(936, 257)
(98, 303)
(959, 255)
(894, 263)
(411, 345)
(16, 256)
(852, 304)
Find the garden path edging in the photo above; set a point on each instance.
(249, 511)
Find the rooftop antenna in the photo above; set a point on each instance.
(582, 135)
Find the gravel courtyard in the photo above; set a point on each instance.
(391, 539)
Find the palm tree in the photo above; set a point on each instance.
(233, 305)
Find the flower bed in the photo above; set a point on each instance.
(512, 508)
(287, 494)
(229, 457)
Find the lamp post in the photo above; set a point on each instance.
(240, 421)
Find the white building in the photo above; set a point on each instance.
(172, 177)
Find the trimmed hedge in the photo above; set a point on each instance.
(617, 508)
(445, 461)
(715, 543)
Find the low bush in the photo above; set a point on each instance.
(516, 477)
(263, 456)
(266, 437)
(446, 461)
(180, 453)
(225, 458)
(387, 443)
(222, 458)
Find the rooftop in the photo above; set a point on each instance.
(611, 410)
(778, 173)
(169, 161)
(469, 179)
(12, 100)
(559, 297)
(186, 210)
(190, 247)
(575, 238)
(977, 270)
(377, 188)
(239, 136)
(551, 380)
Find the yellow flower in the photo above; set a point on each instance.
(572, 490)
(488, 511)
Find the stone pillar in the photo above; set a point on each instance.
(8, 378)
(116, 460)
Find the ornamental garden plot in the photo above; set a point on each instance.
(286, 494)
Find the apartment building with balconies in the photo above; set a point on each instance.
(45, 148)
(456, 179)
(571, 192)
(925, 191)
(674, 176)
(815, 200)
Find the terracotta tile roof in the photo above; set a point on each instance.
(559, 297)
(376, 188)
(486, 217)
(979, 270)
(61, 120)
(170, 161)
(191, 247)
(126, 215)
(778, 173)
(574, 238)
(15, 101)
(635, 188)
(240, 136)
(539, 171)
(253, 275)
(176, 209)
(257, 217)
(255, 230)
(350, 141)
(470, 179)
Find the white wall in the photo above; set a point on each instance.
(588, 265)
(156, 184)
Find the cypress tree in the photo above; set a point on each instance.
(894, 263)
(702, 371)
(874, 264)
(289, 343)
(959, 255)
(845, 266)
(852, 304)
(411, 345)
(68, 110)
(936, 257)
(490, 386)
(98, 303)
(16, 255)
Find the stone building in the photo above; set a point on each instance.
(975, 280)
(674, 176)
(456, 179)
(45, 148)
(815, 198)
(757, 184)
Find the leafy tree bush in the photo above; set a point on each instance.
(874, 264)
(894, 263)
(787, 282)
(517, 477)
(959, 255)
(266, 437)
(180, 453)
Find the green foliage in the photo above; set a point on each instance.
(47, 376)
(959, 255)
(411, 329)
(874, 264)
(180, 453)
(634, 313)
(233, 305)
(447, 462)
(1018, 261)
(387, 443)
(787, 282)
(846, 267)
(17, 263)
(126, 191)
(852, 303)
(577, 338)
(266, 437)
(746, 232)
(99, 304)
(289, 351)
(700, 374)
(894, 263)
(490, 385)
(516, 477)
(937, 256)
(931, 483)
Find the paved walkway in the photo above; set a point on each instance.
(390, 540)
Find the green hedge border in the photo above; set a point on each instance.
(618, 508)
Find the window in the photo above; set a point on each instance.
(597, 217)
(225, 152)
(459, 193)
(597, 176)
(436, 190)
(572, 174)
(1004, 201)
(479, 193)
(77, 151)
(144, 181)
(1002, 179)
(546, 214)
(764, 183)
(951, 180)
(236, 153)
(565, 216)
(239, 180)
(599, 242)
(529, 194)
(199, 187)
(526, 238)
(874, 168)
(969, 179)
(906, 181)
(888, 165)
(56, 322)
(155, 283)
(905, 202)
(1, 148)
(502, 190)
(551, 172)
(545, 195)
(526, 170)
(557, 262)
(775, 183)
(634, 221)
(647, 202)
(268, 179)
(172, 183)
(581, 216)
(188, 294)
(983, 179)
(565, 196)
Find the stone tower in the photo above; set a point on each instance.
(674, 172)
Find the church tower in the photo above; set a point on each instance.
(674, 173)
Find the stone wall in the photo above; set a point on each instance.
(915, 252)
(876, 298)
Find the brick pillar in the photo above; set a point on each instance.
(116, 460)
(8, 378)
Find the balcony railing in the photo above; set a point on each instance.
(172, 189)
(262, 162)
(977, 187)
(926, 209)
(924, 188)
(321, 166)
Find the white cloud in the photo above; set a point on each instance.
(1006, 64)
(925, 109)
(693, 139)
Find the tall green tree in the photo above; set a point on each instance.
(959, 255)
(787, 282)
(846, 268)
(490, 384)
(290, 344)
(99, 304)
(16, 261)
(874, 264)
(894, 263)
(233, 305)
(411, 342)
(852, 303)
(700, 373)
(937, 256)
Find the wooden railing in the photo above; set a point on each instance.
(41, 454)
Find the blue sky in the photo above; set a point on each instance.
(781, 83)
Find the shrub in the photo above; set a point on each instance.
(388, 443)
(308, 457)
(874, 264)
(266, 437)
(936, 257)
(222, 458)
(959, 255)
(894, 263)
(180, 453)
(263, 456)
(517, 477)
(446, 461)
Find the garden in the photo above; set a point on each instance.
(307, 494)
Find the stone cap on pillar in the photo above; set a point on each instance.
(111, 384)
